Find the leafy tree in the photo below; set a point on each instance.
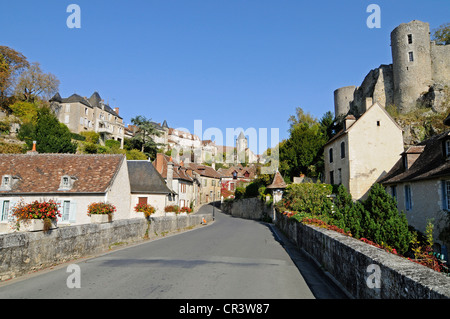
(51, 135)
(442, 34)
(25, 111)
(33, 83)
(12, 63)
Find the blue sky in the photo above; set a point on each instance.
(230, 63)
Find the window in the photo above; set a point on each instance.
(408, 200)
(65, 214)
(5, 210)
(66, 183)
(394, 191)
(332, 177)
(66, 119)
(331, 155)
(339, 176)
(343, 150)
(446, 195)
(410, 39)
(411, 56)
(447, 148)
(378, 123)
(142, 200)
(67, 108)
(6, 182)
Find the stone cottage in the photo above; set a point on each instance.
(74, 181)
(364, 151)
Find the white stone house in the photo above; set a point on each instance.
(364, 151)
(74, 181)
(147, 187)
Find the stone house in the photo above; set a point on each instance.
(147, 186)
(209, 180)
(74, 181)
(420, 182)
(82, 114)
(180, 179)
(232, 176)
(364, 151)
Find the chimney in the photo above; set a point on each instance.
(348, 121)
(170, 174)
(116, 109)
(159, 162)
(33, 151)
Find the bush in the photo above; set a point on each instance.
(239, 193)
(307, 198)
(147, 209)
(172, 209)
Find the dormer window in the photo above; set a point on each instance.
(447, 148)
(6, 182)
(66, 183)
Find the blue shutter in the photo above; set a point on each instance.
(444, 195)
(73, 212)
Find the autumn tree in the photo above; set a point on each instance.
(12, 63)
(442, 34)
(33, 83)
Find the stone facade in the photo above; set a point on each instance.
(363, 152)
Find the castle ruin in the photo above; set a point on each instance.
(417, 77)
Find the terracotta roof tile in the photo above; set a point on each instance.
(42, 173)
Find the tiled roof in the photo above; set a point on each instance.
(42, 173)
(241, 171)
(278, 181)
(179, 171)
(145, 179)
(204, 170)
(430, 164)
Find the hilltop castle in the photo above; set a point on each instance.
(418, 75)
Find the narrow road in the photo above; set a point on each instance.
(229, 259)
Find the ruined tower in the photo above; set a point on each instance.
(411, 56)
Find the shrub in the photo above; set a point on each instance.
(186, 210)
(239, 193)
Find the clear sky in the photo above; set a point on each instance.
(230, 63)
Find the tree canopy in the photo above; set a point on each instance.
(442, 34)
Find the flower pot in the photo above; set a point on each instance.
(33, 225)
(100, 218)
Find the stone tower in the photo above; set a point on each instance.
(241, 146)
(411, 56)
(343, 98)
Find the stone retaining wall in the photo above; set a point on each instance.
(365, 271)
(24, 252)
(248, 208)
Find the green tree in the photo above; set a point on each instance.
(442, 34)
(50, 135)
(382, 222)
(145, 133)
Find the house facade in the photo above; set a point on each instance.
(74, 181)
(209, 178)
(180, 179)
(420, 182)
(82, 114)
(231, 177)
(147, 186)
(364, 151)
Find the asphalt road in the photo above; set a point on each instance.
(230, 258)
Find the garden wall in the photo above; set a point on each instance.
(365, 271)
(248, 208)
(24, 252)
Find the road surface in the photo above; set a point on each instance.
(230, 258)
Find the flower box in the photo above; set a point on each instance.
(34, 225)
(100, 218)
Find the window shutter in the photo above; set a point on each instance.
(444, 195)
(73, 212)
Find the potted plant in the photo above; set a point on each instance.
(185, 210)
(172, 209)
(147, 209)
(36, 216)
(101, 212)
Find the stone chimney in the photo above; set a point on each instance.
(170, 174)
(116, 109)
(348, 121)
(159, 162)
